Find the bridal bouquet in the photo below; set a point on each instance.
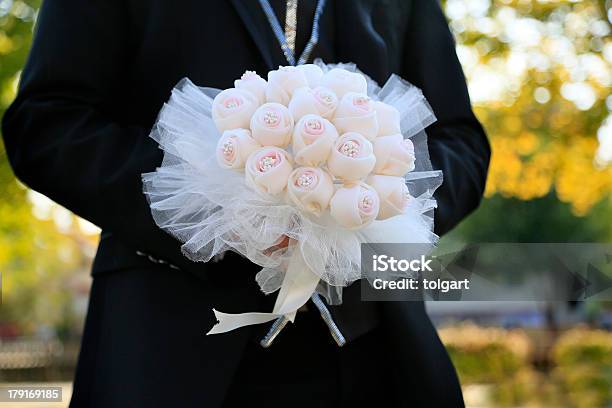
(317, 156)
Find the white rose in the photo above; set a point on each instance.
(355, 113)
(233, 108)
(310, 189)
(318, 101)
(354, 206)
(393, 194)
(234, 148)
(394, 155)
(352, 157)
(313, 139)
(388, 119)
(250, 81)
(272, 125)
(341, 81)
(267, 170)
(283, 82)
(312, 73)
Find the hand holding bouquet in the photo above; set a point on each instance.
(318, 154)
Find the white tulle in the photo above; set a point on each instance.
(211, 210)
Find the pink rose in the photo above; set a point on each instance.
(313, 138)
(388, 119)
(234, 148)
(393, 194)
(267, 170)
(356, 113)
(250, 81)
(394, 155)
(354, 206)
(283, 82)
(318, 101)
(272, 124)
(352, 157)
(233, 108)
(341, 81)
(310, 189)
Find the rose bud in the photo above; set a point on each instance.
(355, 113)
(234, 148)
(393, 194)
(388, 119)
(310, 189)
(233, 108)
(318, 101)
(394, 155)
(313, 139)
(312, 73)
(267, 170)
(352, 157)
(283, 82)
(341, 81)
(354, 206)
(272, 124)
(250, 81)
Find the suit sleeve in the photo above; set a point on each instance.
(457, 142)
(60, 133)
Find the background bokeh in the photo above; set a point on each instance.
(539, 74)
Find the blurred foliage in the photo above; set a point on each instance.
(544, 219)
(40, 246)
(540, 74)
(484, 354)
(492, 356)
(583, 361)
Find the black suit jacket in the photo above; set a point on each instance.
(100, 70)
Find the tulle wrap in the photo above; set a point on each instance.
(211, 210)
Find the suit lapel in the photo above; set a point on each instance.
(256, 23)
(357, 40)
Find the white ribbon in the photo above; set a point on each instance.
(298, 286)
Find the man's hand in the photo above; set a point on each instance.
(282, 243)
